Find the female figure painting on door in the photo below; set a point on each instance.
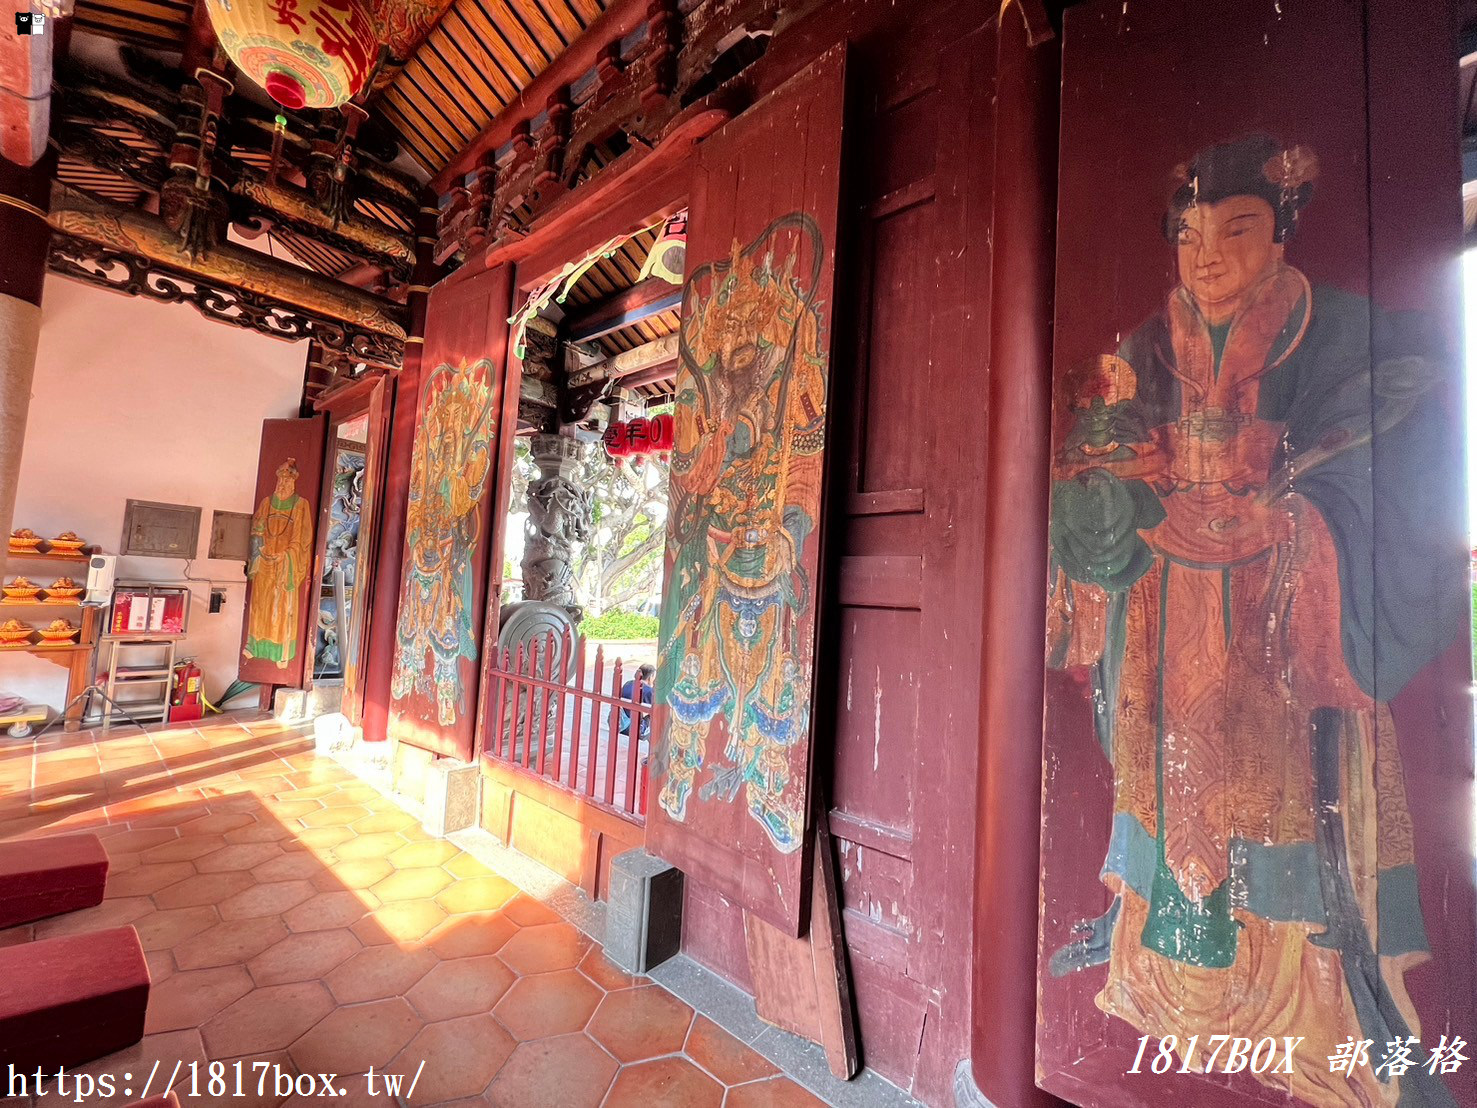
(1215, 506)
(281, 550)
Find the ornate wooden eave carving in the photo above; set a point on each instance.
(185, 145)
(132, 275)
(138, 254)
(294, 207)
(676, 71)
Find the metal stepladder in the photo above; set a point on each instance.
(124, 674)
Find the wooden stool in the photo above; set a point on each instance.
(69, 1000)
(46, 877)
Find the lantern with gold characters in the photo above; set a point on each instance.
(305, 53)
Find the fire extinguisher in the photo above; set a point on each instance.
(187, 693)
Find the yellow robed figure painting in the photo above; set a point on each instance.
(281, 556)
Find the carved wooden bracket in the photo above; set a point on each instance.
(632, 102)
(131, 275)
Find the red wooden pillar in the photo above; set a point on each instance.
(379, 654)
(25, 197)
(1003, 1006)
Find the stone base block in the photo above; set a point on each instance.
(643, 914)
(290, 706)
(452, 789)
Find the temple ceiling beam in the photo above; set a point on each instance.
(657, 354)
(622, 309)
(139, 254)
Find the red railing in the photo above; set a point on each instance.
(558, 718)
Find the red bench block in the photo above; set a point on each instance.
(69, 1000)
(45, 877)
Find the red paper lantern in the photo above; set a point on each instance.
(305, 53)
(637, 432)
(617, 445)
(662, 433)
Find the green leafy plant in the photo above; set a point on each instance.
(623, 626)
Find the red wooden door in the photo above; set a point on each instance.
(438, 633)
(730, 773)
(280, 590)
(1258, 748)
(909, 531)
(900, 708)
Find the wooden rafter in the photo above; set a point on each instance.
(623, 309)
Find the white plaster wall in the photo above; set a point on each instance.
(149, 401)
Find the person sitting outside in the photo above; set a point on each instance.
(646, 674)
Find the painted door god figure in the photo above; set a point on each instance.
(447, 480)
(280, 560)
(1214, 562)
(746, 482)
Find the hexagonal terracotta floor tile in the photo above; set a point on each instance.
(379, 971)
(605, 973)
(167, 929)
(465, 866)
(546, 1004)
(461, 988)
(189, 999)
(239, 856)
(297, 866)
(478, 894)
(264, 831)
(777, 1092)
(461, 1057)
(292, 807)
(216, 823)
(346, 795)
(412, 884)
(325, 910)
(271, 898)
(525, 911)
(470, 935)
(644, 1022)
(204, 888)
(363, 873)
(303, 957)
(722, 1055)
(664, 1081)
(266, 1019)
(237, 940)
(379, 845)
(183, 850)
(350, 1040)
(570, 1071)
(547, 946)
(325, 840)
(409, 921)
(334, 817)
(132, 842)
(394, 820)
(147, 878)
(434, 853)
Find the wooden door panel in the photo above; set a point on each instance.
(876, 720)
(730, 772)
(281, 602)
(434, 681)
(1209, 751)
(895, 431)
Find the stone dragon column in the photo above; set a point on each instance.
(559, 521)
